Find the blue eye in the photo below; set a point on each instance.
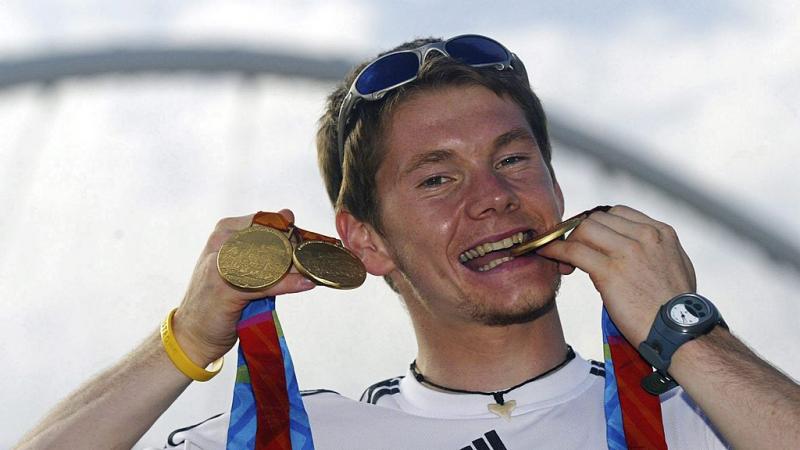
(434, 181)
(511, 160)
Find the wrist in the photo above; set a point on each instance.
(681, 320)
(698, 349)
(191, 344)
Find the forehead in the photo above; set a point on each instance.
(462, 119)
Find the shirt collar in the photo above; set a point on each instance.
(560, 386)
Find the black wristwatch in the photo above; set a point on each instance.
(683, 318)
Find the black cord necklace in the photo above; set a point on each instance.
(497, 395)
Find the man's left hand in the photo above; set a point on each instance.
(636, 263)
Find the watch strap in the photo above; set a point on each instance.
(662, 342)
(659, 355)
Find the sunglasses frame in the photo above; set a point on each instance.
(353, 96)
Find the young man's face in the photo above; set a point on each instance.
(462, 169)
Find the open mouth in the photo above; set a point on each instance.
(489, 255)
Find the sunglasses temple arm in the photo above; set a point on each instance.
(341, 124)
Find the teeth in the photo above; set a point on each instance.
(494, 263)
(489, 247)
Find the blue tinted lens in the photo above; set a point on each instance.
(388, 71)
(476, 50)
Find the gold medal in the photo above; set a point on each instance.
(554, 233)
(329, 264)
(255, 258)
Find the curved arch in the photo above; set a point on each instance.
(54, 67)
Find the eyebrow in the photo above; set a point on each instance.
(435, 156)
(515, 134)
(426, 158)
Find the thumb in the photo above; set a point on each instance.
(287, 214)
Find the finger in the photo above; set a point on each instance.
(600, 237)
(565, 269)
(224, 229)
(620, 224)
(638, 231)
(287, 214)
(576, 254)
(633, 215)
(289, 284)
(233, 224)
(647, 230)
(641, 227)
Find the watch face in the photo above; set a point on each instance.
(683, 316)
(688, 311)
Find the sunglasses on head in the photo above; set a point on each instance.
(401, 67)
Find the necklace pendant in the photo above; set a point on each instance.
(503, 410)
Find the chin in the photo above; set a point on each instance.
(534, 306)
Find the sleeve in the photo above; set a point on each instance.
(210, 434)
(686, 426)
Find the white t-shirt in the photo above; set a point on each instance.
(563, 410)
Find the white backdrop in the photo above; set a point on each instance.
(110, 186)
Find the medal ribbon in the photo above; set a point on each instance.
(278, 222)
(267, 412)
(633, 416)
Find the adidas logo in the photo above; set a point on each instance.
(489, 441)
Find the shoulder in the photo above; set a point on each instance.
(390, 386)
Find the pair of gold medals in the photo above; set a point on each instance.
(261, 255)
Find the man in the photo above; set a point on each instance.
(438, 162)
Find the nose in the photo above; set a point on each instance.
(490, 194)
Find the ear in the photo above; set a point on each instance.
(362, 239)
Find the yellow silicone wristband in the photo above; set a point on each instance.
(180, 359)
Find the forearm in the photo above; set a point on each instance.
(115, 408)
(751, 403)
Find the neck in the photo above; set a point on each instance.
(478, 357)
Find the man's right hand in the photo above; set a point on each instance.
(205, 322)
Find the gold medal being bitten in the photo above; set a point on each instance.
(255, 258)
(556, 232)
(547, 237)
(329, 265)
